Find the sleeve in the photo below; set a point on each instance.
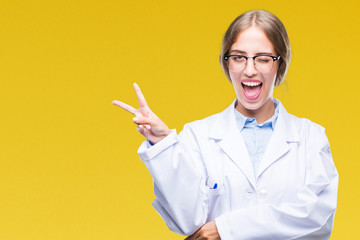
(179, 183)
(309, 217)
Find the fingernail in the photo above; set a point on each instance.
(148, 126)
(135, 119)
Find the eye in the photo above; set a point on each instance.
(263, 59)
(238, 58)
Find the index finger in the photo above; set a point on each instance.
(140, 96)
(125, 106)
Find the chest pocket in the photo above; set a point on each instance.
(216, 193)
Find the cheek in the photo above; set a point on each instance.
(270, 78)
(234, 76)
(235, 80)
(273, 74)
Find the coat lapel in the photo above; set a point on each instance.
(228, 136)
(278, 146)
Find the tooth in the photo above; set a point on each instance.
(251, 84)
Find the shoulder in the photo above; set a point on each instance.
(302, 125)
(210, 127)
(204, 126)
(308, 131)
(305, 125)
(314, 146)
(205, 122)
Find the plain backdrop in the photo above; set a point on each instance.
(68, 162)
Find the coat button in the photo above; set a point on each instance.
(262, 193)
(249, 194)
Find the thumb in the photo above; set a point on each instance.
(141, 120)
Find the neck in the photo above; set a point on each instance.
(261, 114)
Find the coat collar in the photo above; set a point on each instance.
(226, 133)
(243, 121)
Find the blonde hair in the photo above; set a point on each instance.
(274, 30)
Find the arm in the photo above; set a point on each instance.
(310, 216)
(179, 184)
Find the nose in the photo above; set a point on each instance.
(250, 69)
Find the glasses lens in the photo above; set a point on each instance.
(264, 64)
(237, 63)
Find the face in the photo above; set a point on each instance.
(254, 89)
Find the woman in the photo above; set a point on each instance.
(253, 171)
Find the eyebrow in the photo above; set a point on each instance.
(258, 53)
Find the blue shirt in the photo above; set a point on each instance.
(256, 136)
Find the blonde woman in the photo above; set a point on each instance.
(253, 171)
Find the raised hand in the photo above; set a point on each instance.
(148, 124)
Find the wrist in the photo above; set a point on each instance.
(157, 139)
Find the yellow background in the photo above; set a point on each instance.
(68, 162)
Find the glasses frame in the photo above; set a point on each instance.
(274, 58)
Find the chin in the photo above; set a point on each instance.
(255, 105)
(251, 104)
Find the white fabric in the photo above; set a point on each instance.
(292, 196)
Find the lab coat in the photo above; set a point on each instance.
(205, 173)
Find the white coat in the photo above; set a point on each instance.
(292, 196)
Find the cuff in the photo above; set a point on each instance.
(222, 228)
(147, 152)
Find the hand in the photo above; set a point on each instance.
(148, 123)
(207, 232)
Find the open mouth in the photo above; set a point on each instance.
(251, 89)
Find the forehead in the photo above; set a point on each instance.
(253, 40)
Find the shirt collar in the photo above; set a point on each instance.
(243, 121)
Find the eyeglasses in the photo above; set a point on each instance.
(263, 63)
